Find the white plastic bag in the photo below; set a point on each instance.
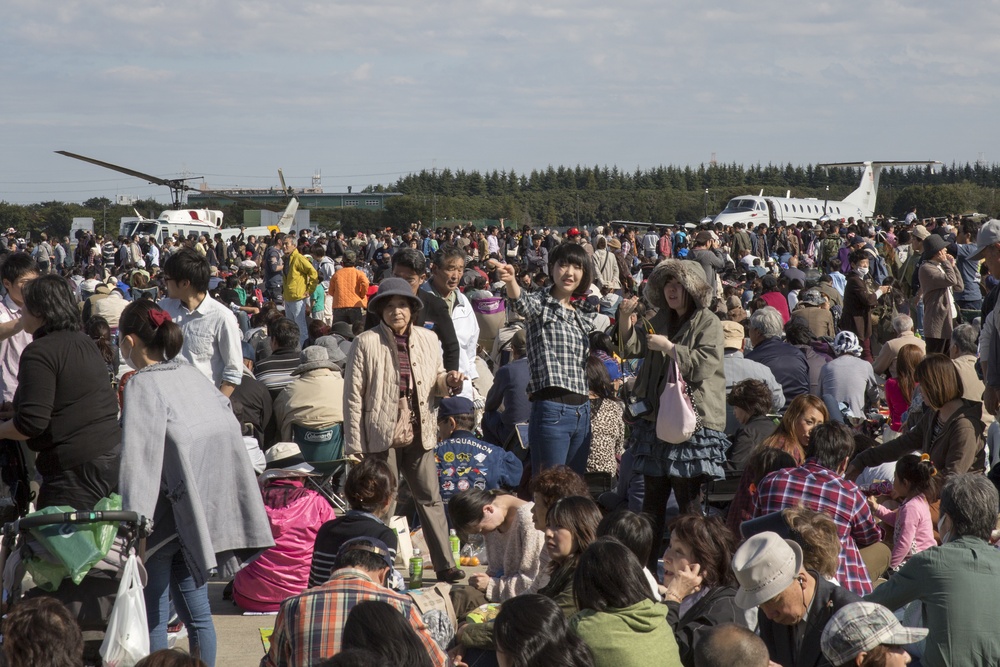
(405, 551)
(126, 640)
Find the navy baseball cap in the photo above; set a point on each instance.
(369, 544)
(454, 406)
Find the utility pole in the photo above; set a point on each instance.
(706, 202)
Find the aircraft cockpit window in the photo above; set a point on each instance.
(740, 205)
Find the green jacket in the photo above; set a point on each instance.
(959, 586)
(636, 636)
(699, 347)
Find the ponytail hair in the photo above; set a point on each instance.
(100, 331)
(920, 473)
(153, 326)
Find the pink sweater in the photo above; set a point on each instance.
(913, 527)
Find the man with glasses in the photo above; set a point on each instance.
(447, 270)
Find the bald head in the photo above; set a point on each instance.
(727, 645)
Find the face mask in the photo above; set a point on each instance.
(862, 271)
(127, 356)
(945, 536)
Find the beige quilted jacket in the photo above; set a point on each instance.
(371, 388)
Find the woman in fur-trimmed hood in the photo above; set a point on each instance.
(685, 332)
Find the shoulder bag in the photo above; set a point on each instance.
(676, 420)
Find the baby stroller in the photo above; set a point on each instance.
(30, 569)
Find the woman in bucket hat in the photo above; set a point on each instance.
(392, 362)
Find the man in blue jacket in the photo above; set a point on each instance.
(463, 460)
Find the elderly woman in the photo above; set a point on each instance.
(950, 431)
(699, 587)
(393, 373)
(64, 406)
(686, 333)
(957, 581)
(847, 379)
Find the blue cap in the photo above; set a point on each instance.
(454, 406)
(369, 544)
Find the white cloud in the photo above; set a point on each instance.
(495, 83)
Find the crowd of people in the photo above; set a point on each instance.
(682, 445)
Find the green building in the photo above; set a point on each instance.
(372, 201)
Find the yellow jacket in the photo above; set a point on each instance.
(301, 278)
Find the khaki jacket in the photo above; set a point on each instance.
(314, 400)
(936, 282)
(371, 389)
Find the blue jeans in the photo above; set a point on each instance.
(168, 578)
(296, 311)
(559, 434)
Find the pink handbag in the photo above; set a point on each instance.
(676, 420)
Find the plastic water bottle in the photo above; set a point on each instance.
(416, 570)
(456, 545)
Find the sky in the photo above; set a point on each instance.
(367, 92)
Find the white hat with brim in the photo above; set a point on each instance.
(287, 457)
(764, 566)
(989, 234)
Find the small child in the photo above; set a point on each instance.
(607, 423)
(915, 482)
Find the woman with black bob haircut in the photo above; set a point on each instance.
(557, 325)
(379, 627)
(618, 618)
(179, 433)
(531, 631)
(64, 406)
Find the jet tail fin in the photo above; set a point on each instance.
(864, 196)
(288, 217)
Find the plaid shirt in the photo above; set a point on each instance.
(558, 342)
(820, 489)
(309, 626)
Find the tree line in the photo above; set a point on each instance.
(568, 196)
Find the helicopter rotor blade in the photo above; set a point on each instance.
(169, 182)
